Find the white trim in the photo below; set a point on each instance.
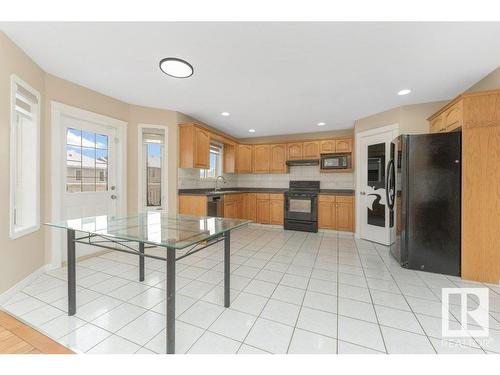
(57, 110)
(358, 136)
(140, 175)
(14, 79)
(9, 293)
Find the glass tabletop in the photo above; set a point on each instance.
(154, 227)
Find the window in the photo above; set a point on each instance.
(24, 159)
(215, 162)
(86, 161)
(153, 144)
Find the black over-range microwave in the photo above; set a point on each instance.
(335, 161)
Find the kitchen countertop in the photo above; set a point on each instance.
(258, 190)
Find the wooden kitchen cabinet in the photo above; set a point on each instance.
(310, 150)
(233, 206)
(261, 158)
(438, 125)
(194, 147)
(249, 207)
(343, 145)
(278, 159)
(453, 117)
(336, 212)
(327, 146)
(195, 205)
(244, 159)
(229, 163)
(263, 216)
(294, 151)
(276, 209)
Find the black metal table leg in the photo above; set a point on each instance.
(71, 272)
(227, 268)
(170, 300)
(141, 261)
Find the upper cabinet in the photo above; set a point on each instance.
(448, 119)
(343, 145)
(294, 151)
(311, 150)
(327, 146)
(261, 158)
(229, 155)
(244, 159)
(278, 159)
(194, 147)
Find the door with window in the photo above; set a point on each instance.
(90, 171)
(153, 178)
(373, 210)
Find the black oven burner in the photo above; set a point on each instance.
(301, 206)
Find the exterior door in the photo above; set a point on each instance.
(373, 210)
(89, 172)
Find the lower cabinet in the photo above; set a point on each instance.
(263, 214)
(233, 206)
(276, 207)
(336, 212)
(249, 207)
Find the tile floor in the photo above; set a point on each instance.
(292, 292)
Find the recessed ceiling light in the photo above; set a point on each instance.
(175, 67)
(404, 92)
(225, 114)
(321, 123)
(251, 130)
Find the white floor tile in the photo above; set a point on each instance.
(85, 337)
(128, 291)
(196, 289)
(247, 349)
(233, 324)
(144, 328)
(185, 336)
(360, 332)
(42, 315)
(317, 321)
(294, 281)
(249, 303)
(356, 309)
(270, 336)
(348, 348)
(97, 307)
(282, 312)
(114, 345)
(119, 317)
(61, 326)
(323, 286)
(304, 342)
(320, 301)
(149, 298)
(211, 343)
(261, 288)
(399, 319)
(202, 314)
(24, 306)
(354, 292)
(288, 294)
(403, 342)
(395, 301)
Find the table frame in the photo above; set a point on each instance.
(171, 258)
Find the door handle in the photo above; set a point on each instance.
(362, 193)
(113, 196)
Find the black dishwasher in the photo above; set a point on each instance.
(215, 205)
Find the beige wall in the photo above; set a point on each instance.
(412, 119)
(20, 257)
(490, 82)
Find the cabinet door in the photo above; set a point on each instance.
(261, 156)
(327, 146)
(251, 207)
(263, 211)
(201, 148)
(229, 158)
(345, 215)
(278, 159)
(230, 210)
(294, 151)
(454, 117)
(343, 145)
(438, 125)
(244, 159)
(311, 150)
(276, 213)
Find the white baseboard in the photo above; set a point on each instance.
(8, 294)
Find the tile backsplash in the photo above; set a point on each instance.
(190, 179)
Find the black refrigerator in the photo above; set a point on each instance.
(423, 196)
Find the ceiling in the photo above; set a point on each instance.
(277, 78)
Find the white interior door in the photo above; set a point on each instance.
(90, 172)
(373, 210)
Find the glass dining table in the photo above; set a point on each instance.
(178, 236)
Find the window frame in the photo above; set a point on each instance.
(219, 170)
(13, 167)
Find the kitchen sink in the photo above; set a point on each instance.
(213, 192)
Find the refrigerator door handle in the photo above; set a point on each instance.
(389, 185)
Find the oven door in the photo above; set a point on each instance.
(301, 207)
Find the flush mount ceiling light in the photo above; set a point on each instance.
(225, 114)
(404, 92)
(321, 123)
(175, 67)
(251, 130)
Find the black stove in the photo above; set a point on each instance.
(301, 206)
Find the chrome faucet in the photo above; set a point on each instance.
(217, 180)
